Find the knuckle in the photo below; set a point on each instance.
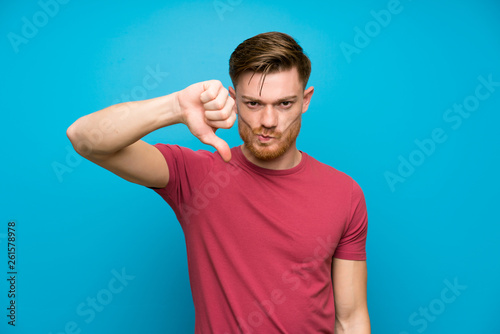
(210, 94)
(229, 122)
(218, 105)
(224, 114)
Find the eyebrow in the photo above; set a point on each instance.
(286, 98)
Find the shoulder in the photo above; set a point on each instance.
(184, 154)
(329, 172)
(334, 178)
(183, 161)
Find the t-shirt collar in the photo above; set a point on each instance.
(238, 154)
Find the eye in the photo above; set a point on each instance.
(252, 104)
(286, 104)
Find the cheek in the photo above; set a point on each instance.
(247, 118)
(288, 122)
(243, 125)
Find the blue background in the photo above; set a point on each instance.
(77, 223)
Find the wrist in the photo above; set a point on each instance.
(176, 109)
(170, 110)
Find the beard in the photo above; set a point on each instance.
(278, 146)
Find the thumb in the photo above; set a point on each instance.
(220, 145)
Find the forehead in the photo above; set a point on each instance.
(276, 85)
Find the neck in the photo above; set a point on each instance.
(289, 159)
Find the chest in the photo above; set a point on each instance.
(300, 217)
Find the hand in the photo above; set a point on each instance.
(205, 107)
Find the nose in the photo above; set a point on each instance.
(269, 117)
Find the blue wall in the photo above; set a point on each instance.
(407, 98)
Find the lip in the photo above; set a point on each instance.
(264, 138)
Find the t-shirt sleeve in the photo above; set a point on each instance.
(353, 241)
(187, 169)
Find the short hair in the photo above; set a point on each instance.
(269, 52)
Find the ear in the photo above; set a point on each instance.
(308, 93)
(232, 93)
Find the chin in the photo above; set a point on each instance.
(267, 153)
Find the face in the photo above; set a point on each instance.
(269, 120)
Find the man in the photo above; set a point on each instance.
(275, 239)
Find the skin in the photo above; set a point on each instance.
(269, 124)
(349, 280)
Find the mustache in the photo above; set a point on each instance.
(265, 132)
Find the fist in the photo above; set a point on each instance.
(205, 107)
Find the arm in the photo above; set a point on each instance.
(111, 137)
(349, 289)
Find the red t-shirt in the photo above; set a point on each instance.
(260, 242)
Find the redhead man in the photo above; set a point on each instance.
(275, 239)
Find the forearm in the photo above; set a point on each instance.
(113, 128)
(357, 323)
